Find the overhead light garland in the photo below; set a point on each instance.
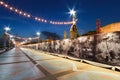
(17, 37)
(18, 11)
(7, 29)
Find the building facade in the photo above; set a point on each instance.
(110, 28)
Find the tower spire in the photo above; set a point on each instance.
(73, 29)
(98, 25)
(65, 35)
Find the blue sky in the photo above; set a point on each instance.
(88, 11)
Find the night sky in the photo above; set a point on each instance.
(88, 11)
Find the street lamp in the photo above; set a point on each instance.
(73, 30)
(10, 38)
(30, 39)
(7, 29)
(38, 34)
(72, 12)
(13, 41)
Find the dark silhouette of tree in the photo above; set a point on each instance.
(54, 36)
(89, 33)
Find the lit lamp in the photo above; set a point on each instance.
(6, 30)
(38, 34)
(11, 36)
(73, 30)
(10, 39)
(73, 14)
(30, 39)
(13, 40)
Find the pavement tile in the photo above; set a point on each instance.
(90, 75)
(56, 65)
(81, 71)
(13, 59)
(21, 71)
(12, 53)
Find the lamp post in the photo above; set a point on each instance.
(5, 35)
(13, 41)
(7, 29)
(38, 34)
(30, 39)
(10, 38)
(73, 30)
(72, 12)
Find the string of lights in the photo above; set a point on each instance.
(25, 14)
(17, 37)
(7, 29)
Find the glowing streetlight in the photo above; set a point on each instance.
(10, 39)
(72, 12)
(11, 36)
(38, 34)
(13, 41)
(30, 38)
(7, 29)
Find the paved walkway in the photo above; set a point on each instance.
(27, 64)
(14, 65)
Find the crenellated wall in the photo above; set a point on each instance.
(108, 48)
(104, 48)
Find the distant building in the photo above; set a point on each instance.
(110, 28)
